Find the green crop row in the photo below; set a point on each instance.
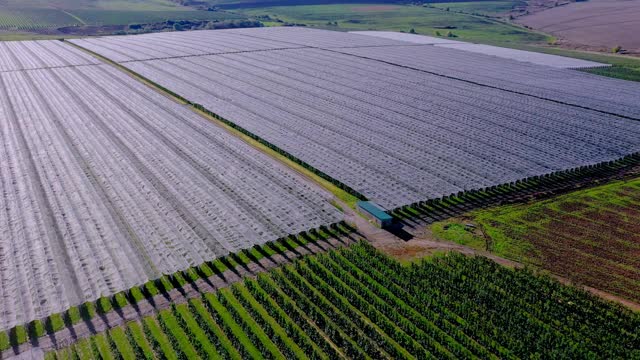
(85, 312)
(358, 303)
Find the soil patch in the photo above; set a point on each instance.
(591, 25)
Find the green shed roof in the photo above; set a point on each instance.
(375, 210)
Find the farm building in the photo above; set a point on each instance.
(376, 213)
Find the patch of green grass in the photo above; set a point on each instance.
(619, 72)
(507, 227)
(125, 17)
(458, 233)
(480, 7)
(423, 20)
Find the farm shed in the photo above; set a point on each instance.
(376, 213)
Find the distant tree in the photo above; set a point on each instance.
(451, 35)
(412, 31)
(616, 49)
(438, 33)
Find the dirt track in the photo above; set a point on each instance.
(593, 24)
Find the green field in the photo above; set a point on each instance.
(151, 5)
(491, 8)
(14, 19)
(424, 20)
(357, 303)
(44, 17)
(119, 17)
(591, 236)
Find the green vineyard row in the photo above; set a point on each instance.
(357, 303)
(87, 311)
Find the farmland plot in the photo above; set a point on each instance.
(107, 184)
(571, 87)
(23, 55)
(565, 86)
(317, 38)
(501, 52)
(395, 135)
(177, 44)
(30, 19)
(356, 303)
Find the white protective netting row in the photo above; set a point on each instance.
(26, 55)
(107, 184)
(396, 135)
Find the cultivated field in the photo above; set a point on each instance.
(28, 55)
(502, 52)
(358, 304)
(123, 49)
(24, 20)
(47, 17)
(499, 8)
(107, 184)
(577, 89)
(398, 17)
(396, 135)
(589, 236)
(593, 24)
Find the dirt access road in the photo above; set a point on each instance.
(591, 25)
